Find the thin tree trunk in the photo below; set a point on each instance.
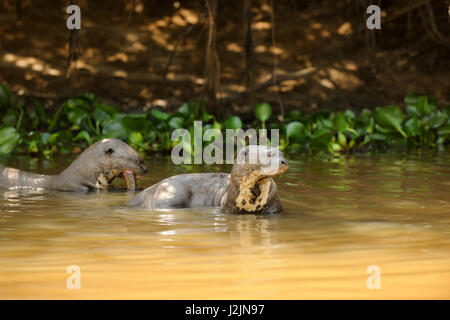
(74, 47)
(212, 72)
(19, 9)
(275, 61)
(248, 45)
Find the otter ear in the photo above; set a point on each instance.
(109, 151)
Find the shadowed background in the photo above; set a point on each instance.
(305, 55)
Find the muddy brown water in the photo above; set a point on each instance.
(341, 216)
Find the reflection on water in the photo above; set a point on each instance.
(341, 216)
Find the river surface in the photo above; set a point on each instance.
(341, 216)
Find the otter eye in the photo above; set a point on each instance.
(109, 151)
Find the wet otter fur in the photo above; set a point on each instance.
(249, 188)
(95, 168)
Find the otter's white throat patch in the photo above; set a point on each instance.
(253, 192)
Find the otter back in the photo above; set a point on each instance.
(10, 177)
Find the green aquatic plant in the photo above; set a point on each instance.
(263, 111)
(29, 127)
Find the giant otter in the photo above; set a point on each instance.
(248, 189)
(95, 168)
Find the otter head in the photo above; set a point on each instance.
(110, 158)
(252, 176)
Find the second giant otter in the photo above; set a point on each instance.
(249, 188)
(95, 168)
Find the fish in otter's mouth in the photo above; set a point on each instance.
(130, 177)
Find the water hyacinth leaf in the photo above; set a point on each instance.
(294, 115)
(162, 116)
(233, 123)
(412, 127)
(294, 147)
(9, 137)
(176, 122)
(437, 119)
(378, 136)
(365, 114)
(10, 118)
(322, 114)
(390, 117)
(444, 130)
(370, 126)
(103, 112)
(396, 141)
(151, 137)
(100, 116)
(353, 131)
(33, 147)
(412, 99)
(204, 116)
(447, 111)
(365, 141)
(349, 115)
(44, 137)
(351, 143)
(322, 136)
(342, 139)
(295, 130)
(76, 115)
(5, 96)
(135, 122)
(422, 105)
(432, 103)
(188, 109)
(135, 138)
(412, 110)
(263, 111)
(340, 123)
(429, 137)
(419, 105)
(40, 110)
(61, 136)
(334, 147)
(88, 98)
(115, 129)
(207, 126)
(384, 130)
(83, 135)
(276, 125)
(325, 124)
(65, 136)
(53, 138)
(55, 119)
